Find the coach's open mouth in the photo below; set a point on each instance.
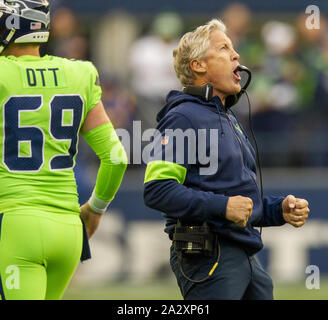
(236, 74)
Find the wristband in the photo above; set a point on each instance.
(97, 205)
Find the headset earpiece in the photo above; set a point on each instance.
(205, 92)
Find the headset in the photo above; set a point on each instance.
(206, 92)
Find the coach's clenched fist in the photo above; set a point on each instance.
(295, 211)
(239, 209)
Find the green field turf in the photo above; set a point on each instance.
(169, 291)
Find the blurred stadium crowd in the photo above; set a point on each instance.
(289, 91)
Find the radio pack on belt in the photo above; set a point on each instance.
(194, 240)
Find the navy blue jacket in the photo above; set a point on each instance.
(204, 197)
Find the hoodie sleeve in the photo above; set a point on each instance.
(170, 163)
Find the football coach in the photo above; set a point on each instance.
(212, 218)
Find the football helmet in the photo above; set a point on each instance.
(23, 21)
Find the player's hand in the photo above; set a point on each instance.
(90, 218)
(239, 209)
(295, 211)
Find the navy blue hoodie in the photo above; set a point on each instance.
(194, 197)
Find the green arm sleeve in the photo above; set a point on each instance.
(113, 162)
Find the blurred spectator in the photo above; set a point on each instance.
(280, 65)
(120, 103)
(151, 65)
(67, 39)
(274, 89)
(112, 38)
(311, 54)
(313, 125)
(237, 18)
(241, 27)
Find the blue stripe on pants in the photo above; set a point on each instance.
(2, 295)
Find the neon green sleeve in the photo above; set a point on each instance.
(113, 162)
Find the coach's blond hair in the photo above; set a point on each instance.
(193, 45)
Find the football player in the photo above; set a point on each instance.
(46, 102)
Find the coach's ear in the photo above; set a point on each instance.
(198, 66)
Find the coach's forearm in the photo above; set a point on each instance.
(272, 212)
(179, 201)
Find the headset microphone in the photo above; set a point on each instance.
(249, 79)
(234, 98)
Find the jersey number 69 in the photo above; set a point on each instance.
(14, 133)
